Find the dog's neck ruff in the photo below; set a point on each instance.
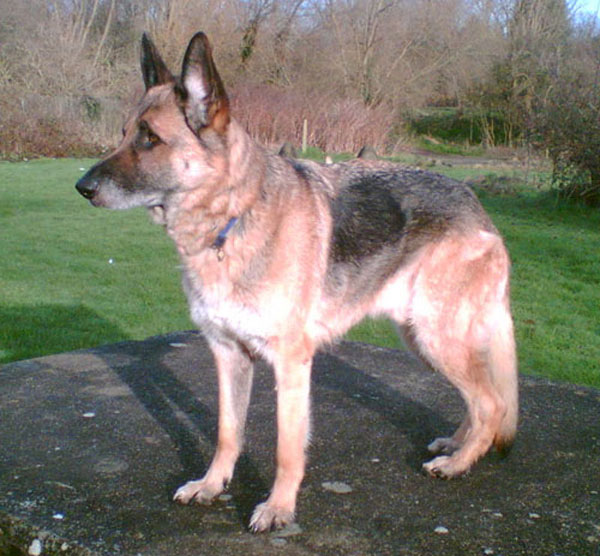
(222, 237)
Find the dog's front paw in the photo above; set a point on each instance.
(267, 517)
(445, 467)
(201, 492)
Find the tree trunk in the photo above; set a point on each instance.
(593, 197)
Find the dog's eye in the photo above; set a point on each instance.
(152, 139)
(147, 138)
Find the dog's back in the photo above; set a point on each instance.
(419, 248)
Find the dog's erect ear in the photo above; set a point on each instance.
(202, 93)
(154, 70)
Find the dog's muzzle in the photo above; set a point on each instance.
(87, 186)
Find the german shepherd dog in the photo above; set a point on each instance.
(281, 256)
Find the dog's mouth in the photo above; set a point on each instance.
(157, 213)
(94, 199)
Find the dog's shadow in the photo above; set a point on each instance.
(414, 420)
(179, 412)
(183, 416)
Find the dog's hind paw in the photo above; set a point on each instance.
(200, 492)
(267, 517)
(445, 467)
(445, 446)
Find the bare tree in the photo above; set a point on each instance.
(356, 27)
(567, 122)
(538, 37)
(76, 60)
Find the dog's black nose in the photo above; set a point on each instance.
(87, 186)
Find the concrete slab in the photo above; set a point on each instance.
(94, 443)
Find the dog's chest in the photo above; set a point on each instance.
(218, 309)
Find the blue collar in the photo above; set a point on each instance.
(222, 235)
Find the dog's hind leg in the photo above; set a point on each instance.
(489, 387)
(442, 445)
(292, 373)
(474, 437)
(235, 371)
(460, 324)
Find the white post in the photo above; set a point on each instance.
(304, 135)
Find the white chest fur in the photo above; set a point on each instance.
(218, 311)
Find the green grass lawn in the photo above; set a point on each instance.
(73, 276)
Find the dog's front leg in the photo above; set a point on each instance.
(292, 373)
(235, 370)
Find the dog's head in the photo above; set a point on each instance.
(176, 138)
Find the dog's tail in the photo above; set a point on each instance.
(503, 365)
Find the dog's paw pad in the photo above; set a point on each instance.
(266, 517)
